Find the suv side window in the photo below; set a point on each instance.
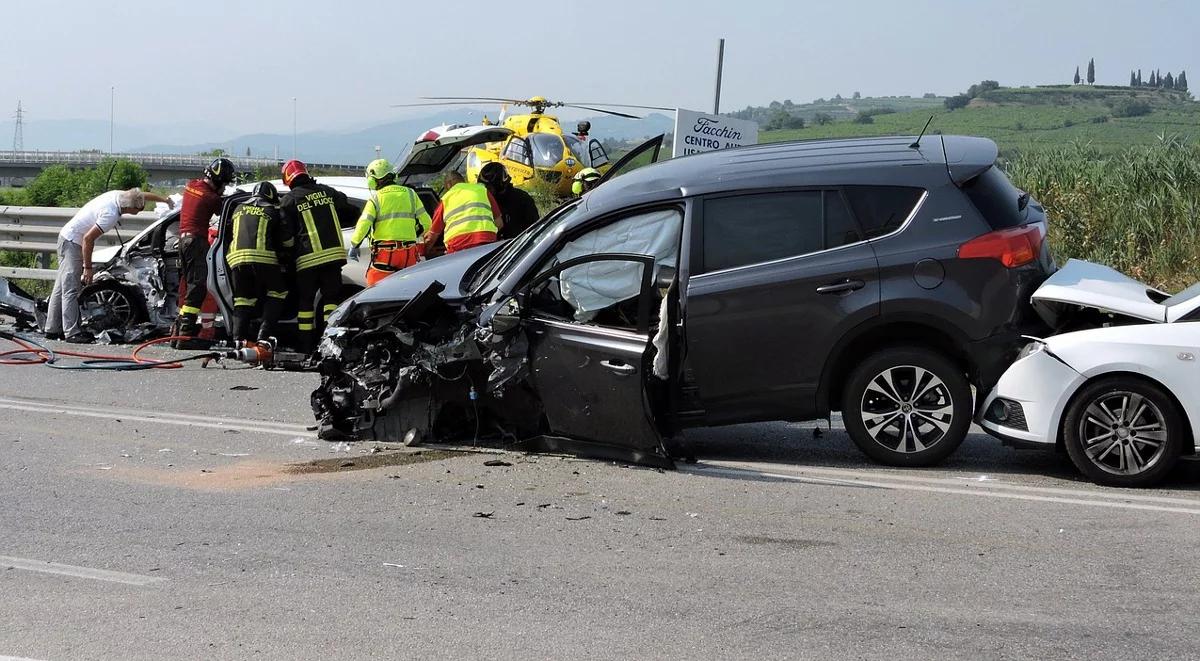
(762, 227)
(882, 209)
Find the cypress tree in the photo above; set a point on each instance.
(1091, 75)
(1132, 79)
(1076, 75)
(1170, 84)
(1181, 81)
(1139, 78)
(1153, 80)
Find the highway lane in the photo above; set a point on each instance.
(135, 525)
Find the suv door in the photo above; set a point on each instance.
(591, 377)
(641, 155)
(777, 278)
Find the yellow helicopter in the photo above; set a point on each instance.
(536, 148)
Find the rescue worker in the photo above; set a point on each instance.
(75, 243)
(517, 208)
(259, 237)
(201, 200)
(394, 217)
(468, 215)
(585, 180)
(314, 213)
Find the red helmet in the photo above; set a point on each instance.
(291, 170)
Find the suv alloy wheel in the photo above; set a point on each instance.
(907, 406)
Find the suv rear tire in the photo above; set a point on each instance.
(907, 406)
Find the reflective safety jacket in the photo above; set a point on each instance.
(259, 234)
(467, 209)
(314, 214)
(394, 213)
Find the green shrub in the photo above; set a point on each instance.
(1131, 108)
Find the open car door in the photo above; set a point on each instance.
(641, 155)
(592, 376)
(220, 284)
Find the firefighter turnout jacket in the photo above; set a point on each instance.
(394, 213)
(259, 234)
(314, 213)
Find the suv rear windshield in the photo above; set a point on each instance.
(997, 199)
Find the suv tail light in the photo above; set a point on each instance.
(1012, 247)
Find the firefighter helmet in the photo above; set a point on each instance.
(291, 170)
(221, 171)
(265, 190)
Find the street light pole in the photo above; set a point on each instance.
(720, 66)
(293, 128)
(112, 114)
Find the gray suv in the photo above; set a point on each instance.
(880, 277)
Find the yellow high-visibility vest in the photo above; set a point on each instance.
(392, 214)
(466, 209)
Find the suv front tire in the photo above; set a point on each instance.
(907, 406)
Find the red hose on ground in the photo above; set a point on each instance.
(40, 356)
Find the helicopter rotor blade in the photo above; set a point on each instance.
(437, 104)
(622, 105)
(474, 98)
(607, 112)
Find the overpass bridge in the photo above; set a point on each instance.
(159, 167)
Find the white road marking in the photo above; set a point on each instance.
(16, 658)
(933, 485)
(78, 572)
(185, 420)
(991, 483)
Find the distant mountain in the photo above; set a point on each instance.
(354, 146)
(358, 147)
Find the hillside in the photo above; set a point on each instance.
(1032, 118)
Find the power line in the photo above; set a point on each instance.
(19, 130)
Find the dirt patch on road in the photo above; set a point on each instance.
(379, 460)
(251, 474)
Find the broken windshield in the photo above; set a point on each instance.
(498, 267)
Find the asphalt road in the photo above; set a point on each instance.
(160, 514)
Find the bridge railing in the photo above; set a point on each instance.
(35, 229)
(182, 161)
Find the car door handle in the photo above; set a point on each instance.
(843, 287)
(624, 369)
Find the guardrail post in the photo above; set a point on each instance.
(41, 260)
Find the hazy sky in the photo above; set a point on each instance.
(237, 64)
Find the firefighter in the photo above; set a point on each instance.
(259, 236)
(314, 213)
(585, 180)
(468, 215)
(394, 217)
(517, 208)
(201, 200)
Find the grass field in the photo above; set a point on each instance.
(1032, 119)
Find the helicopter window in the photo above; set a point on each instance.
(517, 150)
(548, 149)
(597, 153)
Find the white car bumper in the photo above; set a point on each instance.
(1027, 403)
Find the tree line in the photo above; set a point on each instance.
(1159, 81)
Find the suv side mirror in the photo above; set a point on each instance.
(507, 317)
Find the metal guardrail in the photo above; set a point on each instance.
(35, 229)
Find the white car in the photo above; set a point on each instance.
(1123, 396)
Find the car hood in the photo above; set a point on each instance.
(1103, 288)
(437, 148)
(447, 269)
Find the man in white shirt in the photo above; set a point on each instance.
(75, 243)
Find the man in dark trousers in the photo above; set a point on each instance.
(314, 213)
(259, 237)
(517, 207)
(201, 200)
